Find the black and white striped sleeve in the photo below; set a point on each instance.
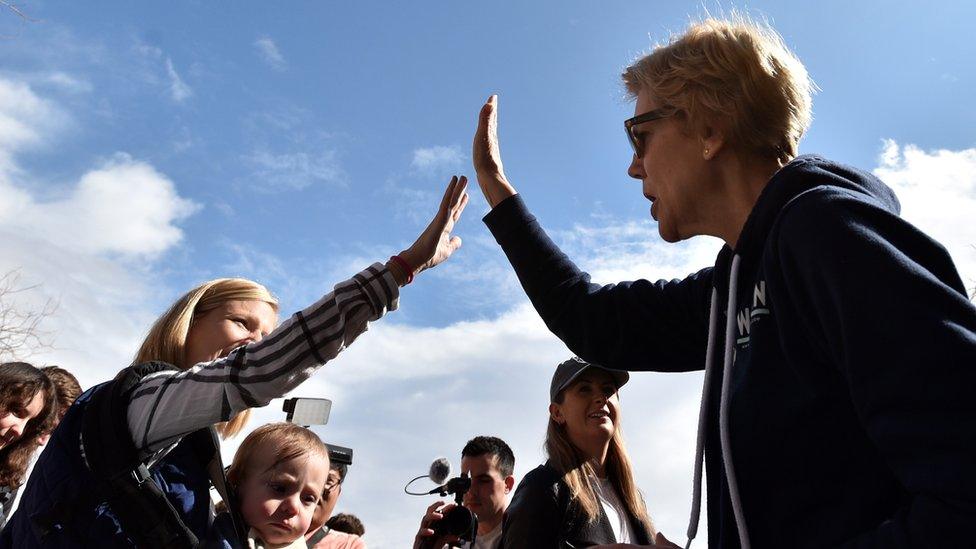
(168, 405)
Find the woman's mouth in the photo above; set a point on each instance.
(599, 414)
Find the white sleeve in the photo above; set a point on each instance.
(165, 406)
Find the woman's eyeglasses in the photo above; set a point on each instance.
(631, 123)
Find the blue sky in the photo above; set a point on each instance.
(145, 148)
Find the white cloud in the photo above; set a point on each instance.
(178, 89)
(294, 170)
(67, 82)
(25, 118)
(633, 250)
(937, 190)
(437, 158)
(87, 244)
(124, 206)
(269, 53)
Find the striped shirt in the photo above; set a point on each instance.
(165, 406)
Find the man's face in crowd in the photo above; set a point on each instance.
(488, 496)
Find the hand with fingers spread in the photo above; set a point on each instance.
(487, 157)
(436, 243)
(424, 539)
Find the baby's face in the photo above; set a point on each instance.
(279, 502)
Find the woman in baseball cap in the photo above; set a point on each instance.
(585, 494)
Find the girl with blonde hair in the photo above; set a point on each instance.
(217, 352)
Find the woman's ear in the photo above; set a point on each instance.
(712, 138)
(556, 413)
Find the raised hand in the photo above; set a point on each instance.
(424, 537)
(487, 157)
(436, 243)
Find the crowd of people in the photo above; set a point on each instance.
(838, 344)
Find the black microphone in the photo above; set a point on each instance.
(457, 485)
(440, 470)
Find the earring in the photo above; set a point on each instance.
(706, 152)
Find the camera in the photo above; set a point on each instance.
(459, 521)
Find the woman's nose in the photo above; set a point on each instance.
(254, 337)
(636, 169)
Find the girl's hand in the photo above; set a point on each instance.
(436, 243)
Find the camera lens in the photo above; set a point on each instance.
(459, 522)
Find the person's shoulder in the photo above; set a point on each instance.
(340, 540)
(542, 476)
(820, 215)
(541, 484)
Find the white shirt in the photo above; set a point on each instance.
(491, 540)
(615, 510)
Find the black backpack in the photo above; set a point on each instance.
(123, 481)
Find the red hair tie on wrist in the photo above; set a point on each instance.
(402, 263)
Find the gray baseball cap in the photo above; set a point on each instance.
(568, 371)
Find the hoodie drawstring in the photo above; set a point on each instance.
(730, 336)
(700, 444)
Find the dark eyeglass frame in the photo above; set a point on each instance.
(340, 473)
(649, 116)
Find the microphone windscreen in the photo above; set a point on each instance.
(440, 470)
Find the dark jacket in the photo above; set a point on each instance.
(542, 515)
(61, 479)
(852, 420)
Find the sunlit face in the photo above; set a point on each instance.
(14, 420)
(589, 409)
(278, 502)
(328, 501)
(488, 496)
(219, 331)
(673, 173)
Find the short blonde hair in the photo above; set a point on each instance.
(166, 340)
(288, 440)
(737, 73)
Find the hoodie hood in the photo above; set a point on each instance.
(799, 176)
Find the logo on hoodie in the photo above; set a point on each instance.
(747, 315)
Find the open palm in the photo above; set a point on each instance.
(436, 243)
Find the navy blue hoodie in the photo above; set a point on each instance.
(850, 411)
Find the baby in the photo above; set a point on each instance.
(279, 473)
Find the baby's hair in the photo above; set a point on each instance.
(290, 441)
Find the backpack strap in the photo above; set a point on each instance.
(206, 446)
(317, 537)
(145, 513)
